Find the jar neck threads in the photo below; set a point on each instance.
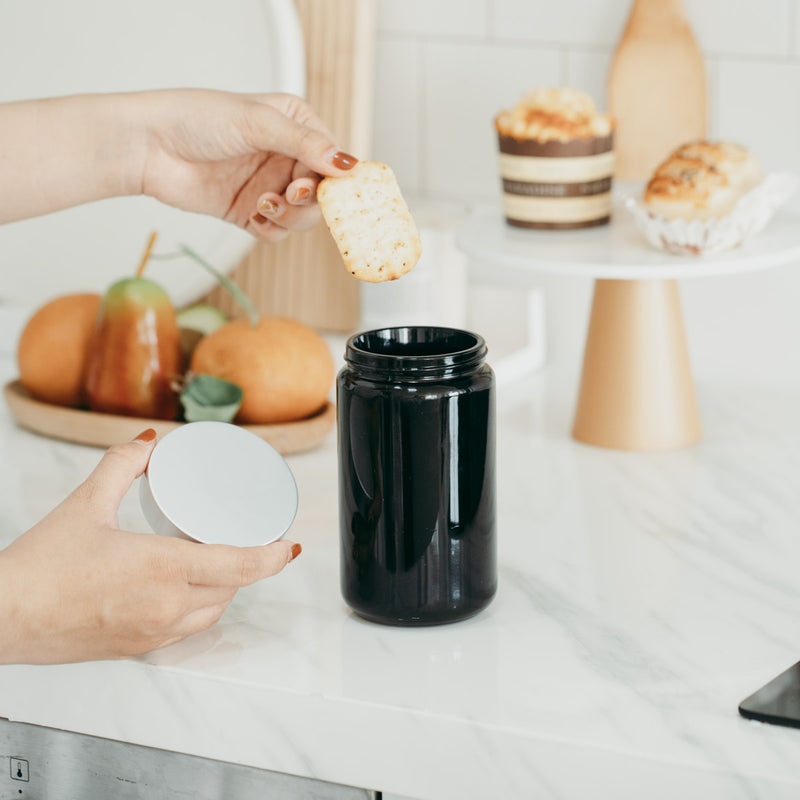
(415, 353)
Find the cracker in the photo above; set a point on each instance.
(370, 222)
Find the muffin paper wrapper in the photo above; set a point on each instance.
(694, 237)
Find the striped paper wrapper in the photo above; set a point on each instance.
(557, 185)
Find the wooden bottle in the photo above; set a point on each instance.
(656, 87)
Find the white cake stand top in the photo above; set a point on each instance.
(500, 252)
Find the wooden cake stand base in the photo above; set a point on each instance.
(636, 390)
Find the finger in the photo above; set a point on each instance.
(271, 205)
(200, 619)
(195, 621)
(298, 109)
(225, 565)
(272, 130)
(118, 469)
(300, 218)
(300, 170)
(265, 229)
(302, 191)
(201, 596)
(296, 218)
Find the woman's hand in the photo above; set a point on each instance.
(76, 588)
(254, 160)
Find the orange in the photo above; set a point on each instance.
(284, 368)
(54, 346)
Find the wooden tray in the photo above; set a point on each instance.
(104, 430)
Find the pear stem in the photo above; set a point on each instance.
(146, 256)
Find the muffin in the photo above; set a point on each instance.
(702, 180)
(556, 160)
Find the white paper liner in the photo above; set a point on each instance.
(694, 237)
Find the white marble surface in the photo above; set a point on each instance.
(642, 596)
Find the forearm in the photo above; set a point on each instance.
(11, 622)
(61, 152)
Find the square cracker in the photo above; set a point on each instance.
(370, 222)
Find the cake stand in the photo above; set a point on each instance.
(636, 390)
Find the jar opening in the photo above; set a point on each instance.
(421, 350)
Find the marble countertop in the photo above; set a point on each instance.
(641, 597)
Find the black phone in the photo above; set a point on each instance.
(777, 702)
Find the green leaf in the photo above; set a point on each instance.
(208, 398)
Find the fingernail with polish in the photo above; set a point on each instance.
(269, 207)
(296, 550)
(342, 160)
(259, 219)
(146, 436)
(302, 194)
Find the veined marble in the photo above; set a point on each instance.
(642, 596)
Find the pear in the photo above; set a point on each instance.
(135, 354)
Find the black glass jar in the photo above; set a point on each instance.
(417, 475)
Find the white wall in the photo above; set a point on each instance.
(445, 67)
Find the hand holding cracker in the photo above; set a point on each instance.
(370, 222)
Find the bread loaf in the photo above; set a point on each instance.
(701, 180)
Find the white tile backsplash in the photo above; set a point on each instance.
(795, 28)
(466, 84)
(565, 22)
(449, 18)
(758, 104)
(397, 114)
(742, 27)
(445, 67)
(587, 69)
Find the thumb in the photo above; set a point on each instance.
(315, 148)
(116, 472)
